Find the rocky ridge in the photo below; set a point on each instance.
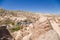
(31, 26)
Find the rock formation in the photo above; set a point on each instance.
(5, 34)
(41, 30)
(29, 26)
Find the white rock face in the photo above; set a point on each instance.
(42, 19)
(18, 35)
(50, 35)
(55, 26)
(27, 37)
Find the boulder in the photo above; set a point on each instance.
(5, 34)
(50, 35)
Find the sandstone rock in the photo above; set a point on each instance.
(5, 34)
(27, 37)
(55, 26)
(50, 35)
(18, 35)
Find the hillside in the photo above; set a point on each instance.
(30, 26)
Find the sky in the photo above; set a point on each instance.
(42, 6)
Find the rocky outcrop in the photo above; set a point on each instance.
(5, 34)
(50, 35)
(29, 27)
(55, 26)
(40, 30)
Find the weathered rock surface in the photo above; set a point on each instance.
(40, 30)
(5, 34)
(50, 35)
(32, 26)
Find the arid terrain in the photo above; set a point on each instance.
(21, 25)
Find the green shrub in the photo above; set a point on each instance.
(15, 29)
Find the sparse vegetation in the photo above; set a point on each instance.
(15, 29)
